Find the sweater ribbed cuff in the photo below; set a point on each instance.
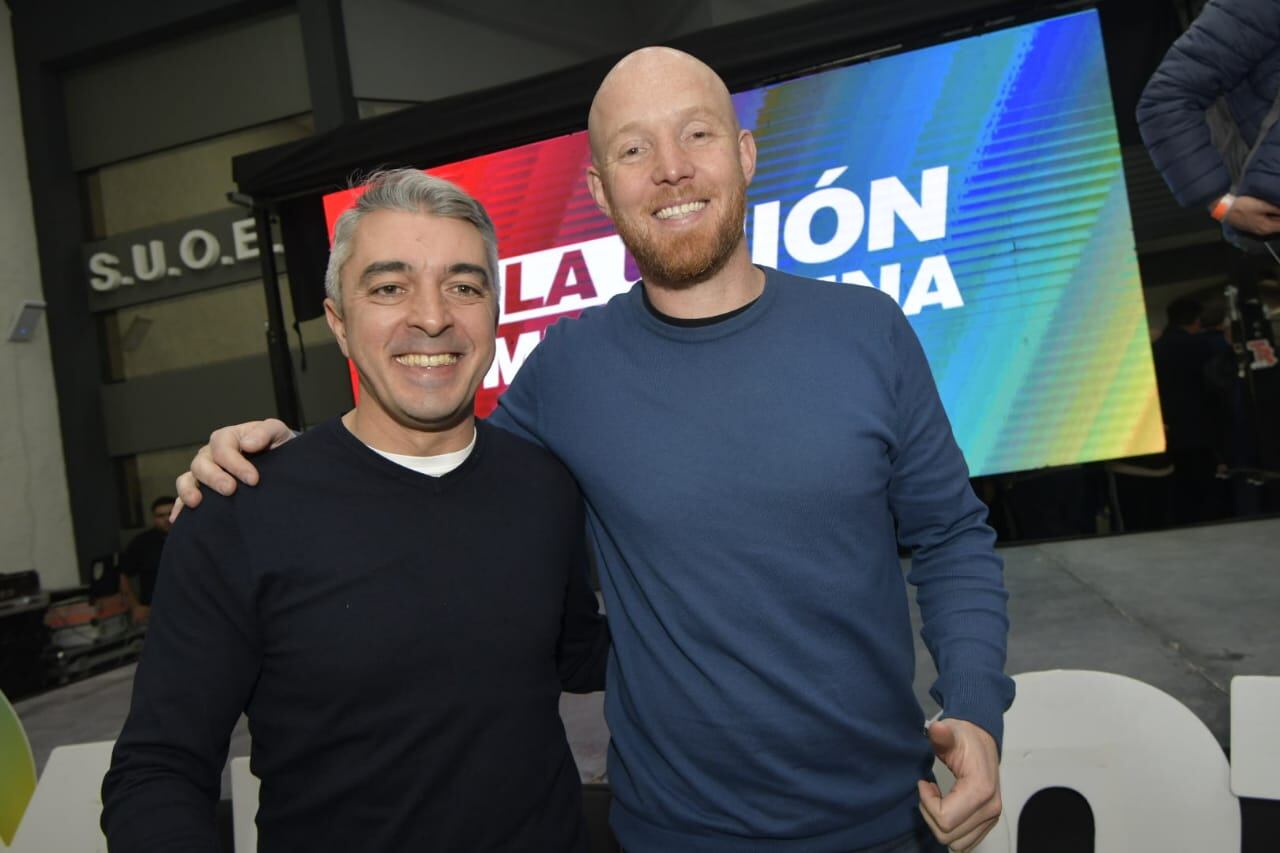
(980, 698)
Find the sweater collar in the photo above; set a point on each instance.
(714, 327)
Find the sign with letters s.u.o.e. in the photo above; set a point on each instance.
(194, 254)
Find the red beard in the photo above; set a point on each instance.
(680, 261)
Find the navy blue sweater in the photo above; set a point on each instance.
(398, 642)
(743, 483)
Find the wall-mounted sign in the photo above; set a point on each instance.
(169, 260)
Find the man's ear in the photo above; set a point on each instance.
(596, 185)
(336, 324)
(747, 154)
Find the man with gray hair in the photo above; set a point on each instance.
(399, 664)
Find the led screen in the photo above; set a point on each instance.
(979, 182)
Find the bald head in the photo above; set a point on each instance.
(649, 82)
(670, 165)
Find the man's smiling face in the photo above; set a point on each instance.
(418, 318)
(670, 165)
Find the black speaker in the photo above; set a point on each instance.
(104, 577)
(306, 253)
(23, 635)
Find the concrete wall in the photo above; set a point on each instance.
(35, 516)
(183, 91)
(410, 51)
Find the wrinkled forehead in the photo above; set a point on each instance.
(653, 84)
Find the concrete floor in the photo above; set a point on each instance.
(1183, 610)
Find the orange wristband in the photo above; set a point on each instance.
(1223, 207)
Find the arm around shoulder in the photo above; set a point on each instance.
(224, 460)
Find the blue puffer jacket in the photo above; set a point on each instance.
(1232, 49)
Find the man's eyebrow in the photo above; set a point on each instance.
(463, 268)
(393, 266)
(380, 267)
(686, 114)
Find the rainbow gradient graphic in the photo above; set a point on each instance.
(1024, 288)
(1049, 361)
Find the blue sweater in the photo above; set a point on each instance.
(743, 484)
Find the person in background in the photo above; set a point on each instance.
(1210, 119)
(1194, 417)
(140, 562)
(1207, 117)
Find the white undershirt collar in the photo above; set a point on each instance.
(432, 466)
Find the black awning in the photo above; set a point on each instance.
(746, 54)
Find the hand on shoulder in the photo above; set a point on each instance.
(224, 460)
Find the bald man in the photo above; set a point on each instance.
(760, 686)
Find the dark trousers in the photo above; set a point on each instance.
(920, 841)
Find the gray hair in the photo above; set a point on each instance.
(415, 192)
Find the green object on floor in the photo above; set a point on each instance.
(17, 771)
